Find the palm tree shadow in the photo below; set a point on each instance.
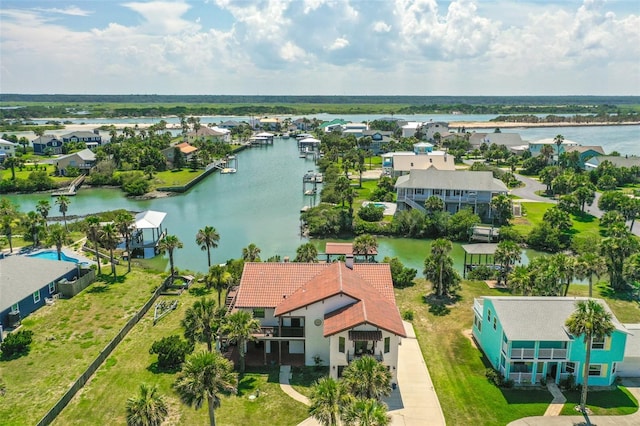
(246, 385)
(155, 369)
(200, 291)
(439, 306)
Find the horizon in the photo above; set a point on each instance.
(332, 48)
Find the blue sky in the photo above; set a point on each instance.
(323, 47)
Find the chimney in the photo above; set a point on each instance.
(349, 261)
(286, 259)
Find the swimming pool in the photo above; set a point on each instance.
(53, 255)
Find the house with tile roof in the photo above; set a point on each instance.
(458, 189)
(526, 339)
(332, 312)
(186, 149)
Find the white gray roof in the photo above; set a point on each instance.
(506, 139)
(85, 154)
(618, 161)
(6, 142)
(539, 318)
(80, 134)
(149, 219)
(449, 179)
(16, 283)
(632, 348)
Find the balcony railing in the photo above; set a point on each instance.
(520, 377)
(505, 348)
(552, 353)
(522, 353)
(351, 356)
(283, 332)
(477, 306)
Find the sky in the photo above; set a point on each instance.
(321, 47)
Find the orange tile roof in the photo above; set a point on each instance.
(185, 148)
(343, 248)
(289, 286)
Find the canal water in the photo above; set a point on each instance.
(259, 204)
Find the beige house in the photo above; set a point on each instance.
(83, 160)
(401, 163)
(209, 134)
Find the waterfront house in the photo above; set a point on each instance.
(47, 144)
(433, 127)
(334, 125)
(331, 312)
(627, 161)
(458, 189)
(536, 147)
(26, 282)
(355, 129)
(379, 139)
(7, 149)
(585, 152)
(302, 124)
(205, 133)
(90, 139)
(526, 339)
(186, 149)
(513, 141)
(229, 124)
(401, 163)
(270, 124)
(82, 160)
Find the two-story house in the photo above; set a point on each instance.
(458, 189)
(332, 312)
(379, 139)
(526, 339)
(47, 144)
(7, 149)
(91, 139)
(82, 160)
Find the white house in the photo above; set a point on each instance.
(7, 149)
(410, 129)
(332, 312)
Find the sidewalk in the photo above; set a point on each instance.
(557, 404)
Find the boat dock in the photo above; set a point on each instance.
(71, 189)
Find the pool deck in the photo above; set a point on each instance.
(67, 252)
(389, 208)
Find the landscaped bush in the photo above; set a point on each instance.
(497, 378)
(408, 315)
(171, 351)
(16, 344)
(371, 213)
(481, 273)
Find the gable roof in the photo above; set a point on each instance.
(539, 318)
(290, 286)
(80, 134)
(405, 163)
(44, 139)
(618, 161)
(185, 148)
(6, 142)
(585, 148)
(451, 179)
(149, 219)
(85, 155)
(15, 284)
(506, 139)
(206, 131)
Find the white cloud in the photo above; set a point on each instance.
(339, 43)
(381, 27)
(70, 10)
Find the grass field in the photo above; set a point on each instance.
(457, 367)
(604, 403)
(176, 177)
(583, 223)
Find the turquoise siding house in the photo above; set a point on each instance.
(526, 340)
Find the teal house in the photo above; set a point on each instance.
(525, 338)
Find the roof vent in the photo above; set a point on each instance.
(349, 261)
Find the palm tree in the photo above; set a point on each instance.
(33, 222)
(507, 253)
(565, 269)
(439, 266)
(167, 245)
(434, 204)
(590, 319)
(43, 208)
(7, 218)
(219, 278)
(558, 141)
(93, 234)
(207, 239)
(204, 377)
(124, 222)
(201, 321)
(251, 253)
(367, 412)
(588, 265)
(367, 378)
(521, 280)
(240, 326)
(306, 253)
(328, 401)
(109, 239)
(148, 408)
(365, 245)
(57, 236)
(63, 205)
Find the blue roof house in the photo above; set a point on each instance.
(22, 292)
(525, 338)
(47, 142)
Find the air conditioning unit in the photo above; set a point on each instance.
(14, 319)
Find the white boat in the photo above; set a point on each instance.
(304, 209)
(227, 170)
(310, 192)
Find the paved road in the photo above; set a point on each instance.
(528, 191)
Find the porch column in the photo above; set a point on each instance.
(280, 341)
(266, 342)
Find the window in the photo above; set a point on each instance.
(489, 315)
(437, 192)
(595, 369)
(494, 323)
(36, 296)
(457, 192)
(52, 287)
(478, 323)
(387, 345)
(614, 368)
(419, 191)
(15, 308)
(597, 342)
(341, 341)
(570, 367)
(258, 312)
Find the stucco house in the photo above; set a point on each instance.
(334, 312)
(205, 133)
(22, 293)
(83, 160)
(187, 150)
(401, 163)
(7, 149)
(42, 143)
(91, 139)
(526, 339)
(457, 188)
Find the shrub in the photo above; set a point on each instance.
(371, 213)
(569, 383)
(481, 273)
(407, 315)
(16, 343)
(496, 377)
(171, 351)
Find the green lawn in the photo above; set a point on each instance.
(176, 177)
(28, 169)
(457, 367)
(583, 223)
(67, 338)
(604, 403)
(103, 400)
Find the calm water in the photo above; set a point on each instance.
(259, 204)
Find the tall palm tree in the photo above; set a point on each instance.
(521, 280)
(57, 236)
(590, 319)
(588, 265)
(33, 222)
(440, 253)
(147, 408)
(207, 239)
(43, 208)
(367, 412)
(240, 326)
(167, 245)
(204, 377)
(6, 224)
(93, 234)
(558, 141)
(124, 222)
(507, 253)
(109, 239)
(251, 253)
(565, 268)
(367, 378)
(306, 253)
(63, 203)
(328, 401)
(365, 245)
(220, 279)
(201, 321)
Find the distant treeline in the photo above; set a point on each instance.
(25, 107)
(619, 117)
